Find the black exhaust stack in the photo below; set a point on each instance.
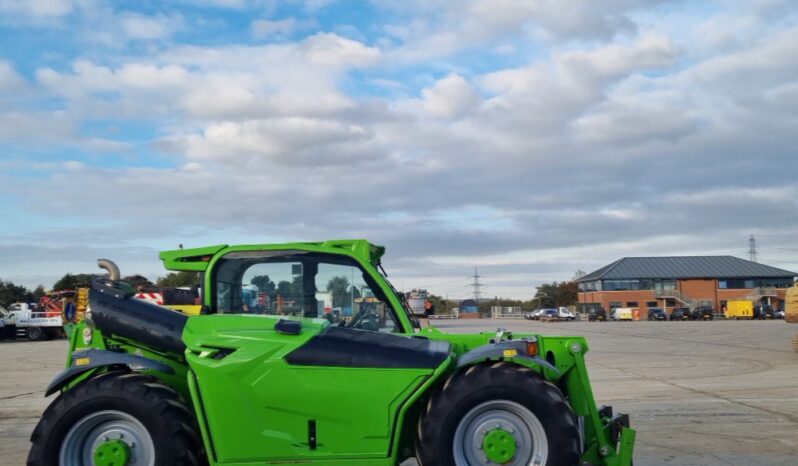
(115, 311)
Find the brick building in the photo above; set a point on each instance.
(670, 282)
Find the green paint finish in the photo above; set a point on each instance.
(112, 453)
(254, 408)
(499, 446)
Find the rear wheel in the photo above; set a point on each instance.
(116, 419)
(499, 414)
(34, 333)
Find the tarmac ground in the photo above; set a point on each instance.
(699, 393)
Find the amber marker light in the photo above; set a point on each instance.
(532, 348)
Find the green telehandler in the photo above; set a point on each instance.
(325, 366)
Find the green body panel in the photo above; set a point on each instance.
(252, 407)
(354, 408)
(189, 260)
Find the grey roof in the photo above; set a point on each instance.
(630, 268)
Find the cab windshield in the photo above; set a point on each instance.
(402, 299)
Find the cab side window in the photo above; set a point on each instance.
(301, 284)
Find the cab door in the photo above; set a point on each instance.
(332, 391)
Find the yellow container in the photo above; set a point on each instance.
(791, 305)
(739, 310)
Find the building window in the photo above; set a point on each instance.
(615, 304)
(621, 285)
(651, 304)
(632, 304)
(742, 283)
(590, 286)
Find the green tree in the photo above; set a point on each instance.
(567, 293)
(11, 293)
(546, 295)
(264, 284)
(556, 294)
(72, 281)
(285, 289)
(38, 293)
(338, 286)
(177, 279)
(137, 281)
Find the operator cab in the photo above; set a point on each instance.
(301, 283)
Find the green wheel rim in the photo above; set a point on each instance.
(112, 453)
(499, 446)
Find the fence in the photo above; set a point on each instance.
(501, 312)
(451, 315)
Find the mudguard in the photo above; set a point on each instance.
(83, 361)
(503, 350)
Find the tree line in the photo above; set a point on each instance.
(548, 295)
(339, 287)
(13, 293)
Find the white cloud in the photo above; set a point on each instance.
(143, 27)
(265, 28)
(279, 141)
(10, 80)
(37, 8)
(449, 97)
(333, 50)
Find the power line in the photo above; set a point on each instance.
(752, 249)
(476, 285)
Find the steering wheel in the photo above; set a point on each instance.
(367, 318)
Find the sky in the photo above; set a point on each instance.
(529, 138)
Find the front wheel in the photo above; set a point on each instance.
(500, 414)
(118, 419)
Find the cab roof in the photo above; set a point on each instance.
(198, 259)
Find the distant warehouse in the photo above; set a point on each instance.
(671, 282)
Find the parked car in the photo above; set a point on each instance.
(534, 315)
(763, 311)
(680, 313)
(703, 313)
(656, 313)
(565, 314)
(549, 314)
(597, 314)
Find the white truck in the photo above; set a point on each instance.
(416, 300)
(22, 320)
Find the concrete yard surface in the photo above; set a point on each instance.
(699, 393)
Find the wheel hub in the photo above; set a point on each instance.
(499, 446)
(500, 432)
(108, 438)
(112, 453)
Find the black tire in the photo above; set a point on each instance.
(34, 333)
(478, 384)
(156, 406)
